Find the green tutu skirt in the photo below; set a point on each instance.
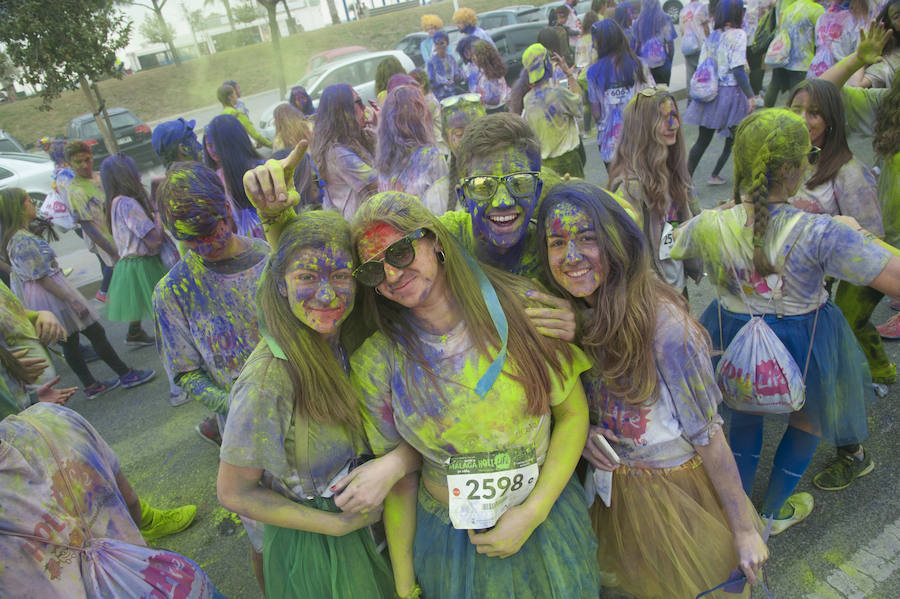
(130, 296)
(297, 563)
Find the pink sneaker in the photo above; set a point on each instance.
(100, 297)
(890, 329)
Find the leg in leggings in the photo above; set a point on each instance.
(97, 336)
(791, 459)
(746, 439)
(703, 138)
(857, 305)
(776, 86)
(72, 355)
(107, 276)
(756, 71)
(726, 152)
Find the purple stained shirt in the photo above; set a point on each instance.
(130, 224)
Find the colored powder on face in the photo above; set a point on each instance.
(375, 240)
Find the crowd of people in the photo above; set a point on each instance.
(416, 323)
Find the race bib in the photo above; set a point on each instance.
(667, 241)
(483, 486)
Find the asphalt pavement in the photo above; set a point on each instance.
(848, 548)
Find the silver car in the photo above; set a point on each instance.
(357, 70)
(31, 172)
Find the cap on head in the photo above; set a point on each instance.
(171, 133)
(534, 60)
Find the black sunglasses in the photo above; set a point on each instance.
(399, 254)
(813, 155)
(483, 187)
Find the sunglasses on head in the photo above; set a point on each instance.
(467, 98)
(399, 254)
(483, 187)
(649, 92)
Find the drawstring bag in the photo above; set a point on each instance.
(765, 32)
(653, 51)
(689, 43)
(114, 569)
(757, 373)
(704, 86)
(55, 209)
(779, 51)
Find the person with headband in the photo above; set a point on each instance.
(675, 520)
(498, 513)
(763, 245)
(407, 157)
(650, 172)
(612, 81)
(553, 111)
(443, 70)
(41, 286)
(431, 24)
(294, 451)
(205, 306)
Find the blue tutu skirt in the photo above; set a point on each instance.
(838, 383)
(558, 561)
(726, 110)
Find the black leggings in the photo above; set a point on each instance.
(97, 336)
(783, 80)
(703, 138)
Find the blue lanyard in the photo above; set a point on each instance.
(489, 294)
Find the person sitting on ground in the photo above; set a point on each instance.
(228, 98)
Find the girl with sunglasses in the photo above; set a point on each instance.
(650, 171)
(457, 371)
(294, 428)
(676, 520)
(764, 253)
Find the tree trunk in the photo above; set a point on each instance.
(106, 133)
(332, 10)
(292, 25)
(229, 14)
(276, 44)
(157, 8)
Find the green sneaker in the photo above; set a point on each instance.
(886, 375)
(159, 523)
(843, 471)
(802, 506)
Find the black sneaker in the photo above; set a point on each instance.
(139, 339)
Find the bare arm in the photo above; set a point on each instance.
(102, 242)
(722, 471)
(400, 530)
(888, 280)
(238, 490)
(365, 488)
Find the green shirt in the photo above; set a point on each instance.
(251, 130)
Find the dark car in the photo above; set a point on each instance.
(511, 42)
(509, 16)
(132, 135)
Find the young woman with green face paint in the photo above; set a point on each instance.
(652, 394)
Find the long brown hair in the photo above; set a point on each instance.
(619, 329)
(488, 60)
(661, 170)
(537, 358)
(322, 390)
(825, 99)
(290, 125)
(887, 123)
(765, 142)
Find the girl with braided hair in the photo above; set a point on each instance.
(766, 256)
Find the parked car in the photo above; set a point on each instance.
(511, 42)
(8, 143)
(509, 16)
(357, 70)
(132, 135)
(317, 60)
(31, 172)
(409, 45)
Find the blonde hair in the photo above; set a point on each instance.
(660, 169)
(466, 16)
(432, 20)
(765, 142)
(290, 126)
(537, 359)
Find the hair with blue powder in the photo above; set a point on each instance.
(617, 64)
(624, 15)
(729, 13)
(236, 155)
(57, 152)
(464, 48)
(440, 35)
(301, 101)
(651, 22)
(120, 176)
(403, 127)
(191, 201)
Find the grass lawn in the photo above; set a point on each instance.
(169, 90)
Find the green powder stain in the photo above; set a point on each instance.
(807, 578)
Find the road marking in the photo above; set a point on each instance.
(860, 575)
